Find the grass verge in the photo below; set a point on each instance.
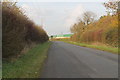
(29, 65)
(103, 48)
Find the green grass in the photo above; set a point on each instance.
(104, 48)
(29, 65)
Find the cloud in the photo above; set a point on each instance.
(74, 15)
(34, 12)
(38, 13)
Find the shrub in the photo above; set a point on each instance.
(105, 30)
(18, 31)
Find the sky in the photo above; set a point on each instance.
(57, 16)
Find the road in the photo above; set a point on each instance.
(71, 61)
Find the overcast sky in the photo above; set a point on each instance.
(57, 17)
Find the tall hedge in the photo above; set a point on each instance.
(18, 30)
(105, 30)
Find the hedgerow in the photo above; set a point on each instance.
(18, 30)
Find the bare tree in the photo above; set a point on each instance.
(88, 17)
(73, 29)
(78, 28)
(111, 6)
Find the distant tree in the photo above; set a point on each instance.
(88, 17)
(51, 37)
(73, 29)
(78, 28)
(111, 6)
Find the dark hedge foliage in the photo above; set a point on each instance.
(18, 30)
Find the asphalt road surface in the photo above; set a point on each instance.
(71, 61)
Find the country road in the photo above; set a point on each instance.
(71, 61)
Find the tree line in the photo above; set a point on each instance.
(18, 30)
(103, 30)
